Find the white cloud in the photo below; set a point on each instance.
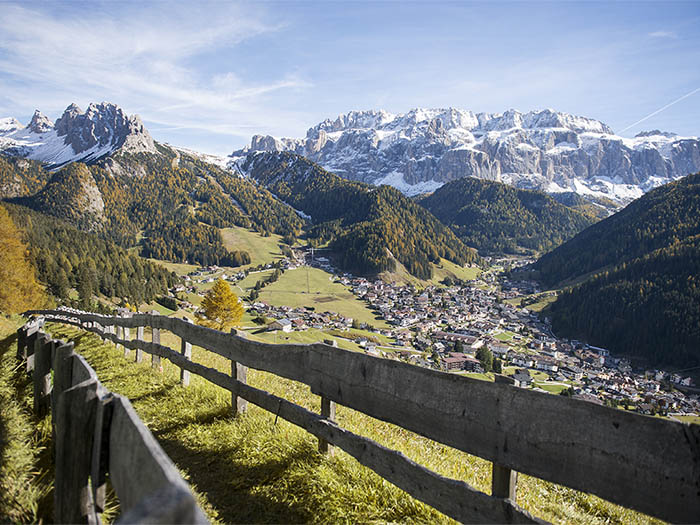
(149, 58)
(663, 34)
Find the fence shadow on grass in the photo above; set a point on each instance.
(237, 489)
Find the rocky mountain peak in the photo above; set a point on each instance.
(40, 123)
(85, 136)
(103, 125)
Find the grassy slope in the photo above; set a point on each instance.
(255, 469)
(25, 476)
(444, 269)
(449, 269)
(262, 250)
(311, 287)
(178, 268)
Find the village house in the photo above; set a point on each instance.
(522, 360)
(522, 377)
(280, 324)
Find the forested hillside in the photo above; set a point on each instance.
(641, 289)
(662, 217)
(497, 218)
(66, 258)
(649, 306)
(171, 204)
(368, 227)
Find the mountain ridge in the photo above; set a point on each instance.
(422, 149)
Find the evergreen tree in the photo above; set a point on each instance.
(221, 307)
(497, 366)
(484, 355)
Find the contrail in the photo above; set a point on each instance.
(660, 110)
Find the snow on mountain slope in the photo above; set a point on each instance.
(420, 150)
(78, 135)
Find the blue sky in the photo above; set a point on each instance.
(210, 75)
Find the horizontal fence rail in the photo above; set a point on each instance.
(98, 435)
(647, 464)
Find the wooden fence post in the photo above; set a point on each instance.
(100, 451)
(30, 347)
(127, 336)
(240, 373)
(327, 411)
(75, 426)
(62, 375)
(42, 374)
(102, 329)
(503, 480)
(155, 338)
(120, 335)
(22, 342)
(186, 351)
(139, 337)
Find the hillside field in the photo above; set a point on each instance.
(311, 287)
(262, 250)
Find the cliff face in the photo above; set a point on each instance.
(547, 150)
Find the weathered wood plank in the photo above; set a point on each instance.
(75, 425)
(132, 448)
(120, 335)
(22, 343)
(30, 348)
(42, 375)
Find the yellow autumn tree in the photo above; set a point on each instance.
(19, 290)
(221, 308)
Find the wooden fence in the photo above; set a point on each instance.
(98, 434)
(644, 463)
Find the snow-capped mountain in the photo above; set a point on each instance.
(78, 135)
(421, 150)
